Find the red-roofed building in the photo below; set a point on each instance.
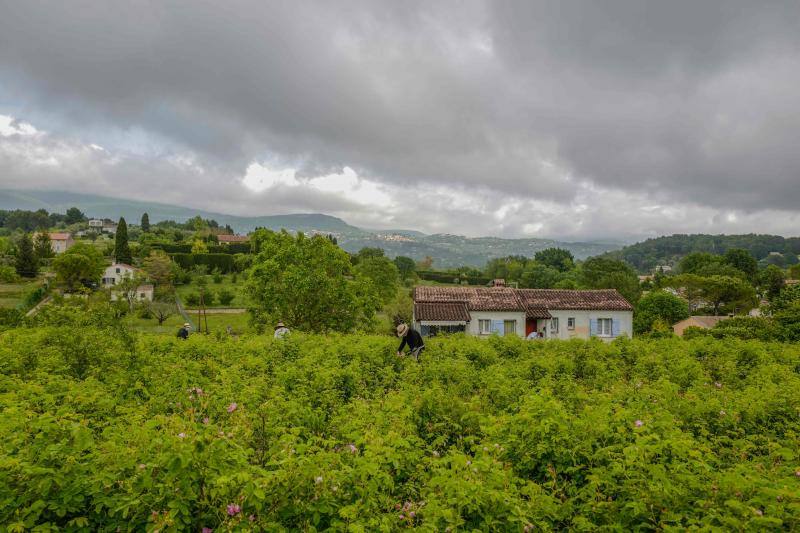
(548, 313)
(59, 242)
(228, 239)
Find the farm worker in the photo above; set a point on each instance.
(183, 333)
(412, 338)
(280, 330)
(532, 335)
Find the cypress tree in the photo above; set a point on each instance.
(26, 264)
(122, 252)
(145, 223)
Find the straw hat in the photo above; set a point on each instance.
(187, 325)
(280, 325)
(402, 329)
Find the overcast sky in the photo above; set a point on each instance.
(578, 120)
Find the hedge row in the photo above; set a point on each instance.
(451, 277)
(233, 248)
(224, 262)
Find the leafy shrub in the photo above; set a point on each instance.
(225, 296)
(104, 431)
(8, 274)
(216, 275)
(192, 299)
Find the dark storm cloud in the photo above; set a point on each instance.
(680, 101)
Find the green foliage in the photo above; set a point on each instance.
(145, 223)
(604, 273)
(721, 294)
(192, 299)
(557, 258)
(223, 262)
(225, 296)
(743, 261)
(216, 276)
(306, 282)
(74, 216)
(771, 281)
(540, 276)
(658, 306)
(382, 273)
(199, 247)
(644, 256)
(405, 265)
(82, 264)
(105, 431)
(26, 263)
(122, 251)
(8, 274)
(42, 246)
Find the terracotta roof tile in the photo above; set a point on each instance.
(441, 311)
(233, 238)
(582, 300)
(535, 302)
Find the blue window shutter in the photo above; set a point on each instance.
(592, 327)
(497, 327)
(615, 327)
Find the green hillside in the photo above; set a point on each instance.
(447, 250)
(668, 250)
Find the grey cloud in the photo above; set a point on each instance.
(681, 101)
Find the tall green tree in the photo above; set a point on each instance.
(122, 250)
(382, 273)
(719, 293)
(558, 258)
(540, 276)
(81, 265)
(26, 263)
(145, 223)
(405, 265)
(743, 260)
(74, 215)
(43, 246)
(308, 283)
(605, 273)
(771, 280)
(658, 306)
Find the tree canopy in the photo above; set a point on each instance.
(308, 283)
(26, 262)
(82, 264)
(122, 250)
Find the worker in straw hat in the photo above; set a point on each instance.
(281, 330)
(183, 333)
(412, 338)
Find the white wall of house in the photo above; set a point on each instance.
(473, 328)
(582, 319)
(114, 274)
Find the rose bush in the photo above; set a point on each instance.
(104, 430)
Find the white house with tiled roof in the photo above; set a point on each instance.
(116, 273)
(499, 310)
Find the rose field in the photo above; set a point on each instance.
(109, 430)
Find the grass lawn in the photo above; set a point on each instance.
(11, 294)
(227, 284)
(216, 323)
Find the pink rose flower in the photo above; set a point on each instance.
(232, 407)
(638, 423)
(233, 509)
(181, 435)
(207, 530)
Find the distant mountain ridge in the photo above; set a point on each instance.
(447, 250)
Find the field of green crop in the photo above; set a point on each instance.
(107, 429)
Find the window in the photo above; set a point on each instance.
(484, 327)
(571, 323)
(553, 325)
(142, 295)
(117, 270)
(509, 327)
(603, 327)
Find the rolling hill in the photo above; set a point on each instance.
(447, 250)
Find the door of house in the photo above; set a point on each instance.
(530, 326)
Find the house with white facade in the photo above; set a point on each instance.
(500, 310)
(116, 273)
